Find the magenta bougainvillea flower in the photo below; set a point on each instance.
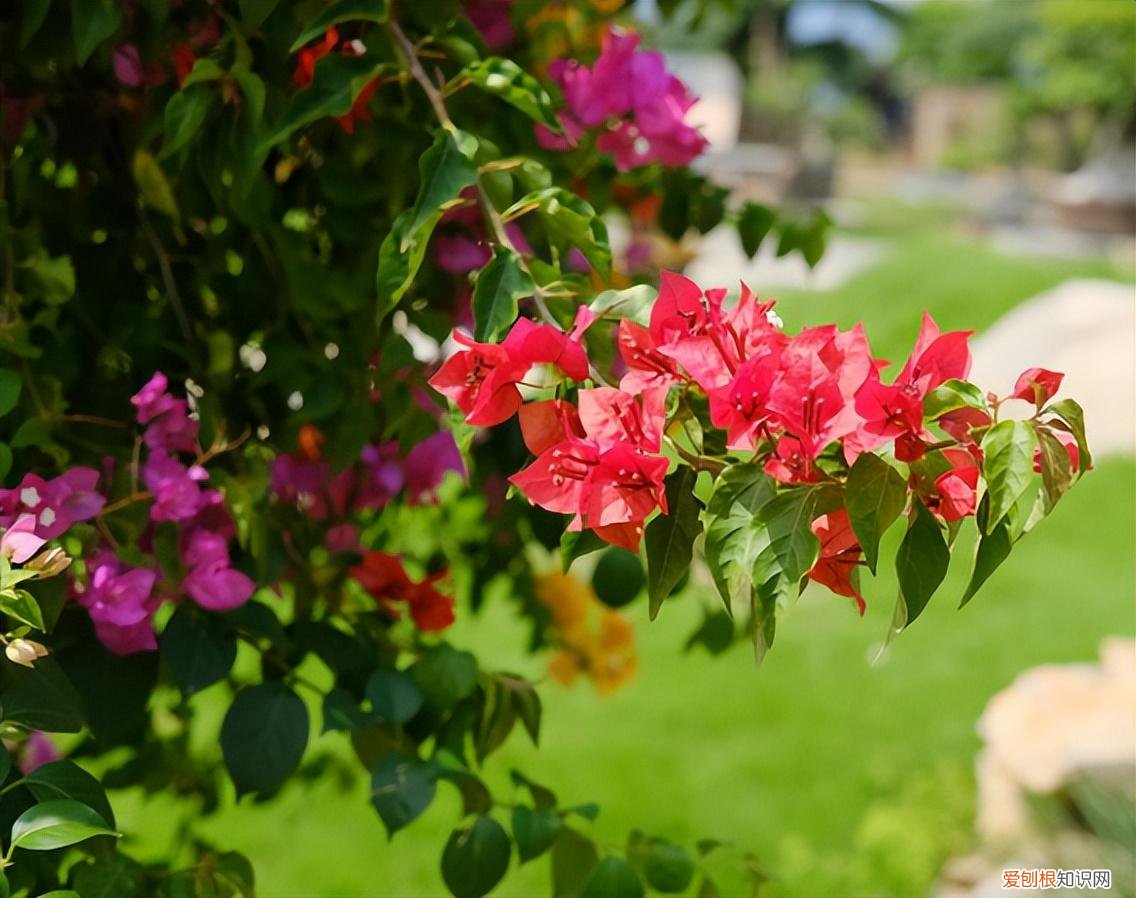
(53, 504)
(637, 107)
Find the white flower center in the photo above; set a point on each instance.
(30, 496)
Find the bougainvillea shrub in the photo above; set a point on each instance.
(314, 341)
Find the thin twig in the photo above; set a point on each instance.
(167, 274)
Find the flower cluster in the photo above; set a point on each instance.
(306, 480)
(596, 641)
(637, 107)
(384, 577)
(804, 406)
(122, 599)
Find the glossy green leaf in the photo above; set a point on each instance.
(668, 868)
(10, 385)
(505, 79)
(21, 605)
(952, 395)
(264, 736)
(402, 788)
(570, 223)
(754, 223)
(342, 712)
(92, 22)
(576, 544)
(499, 286)
(669, 539)
(921, 564)
(1074, 416)
(66, 779)
(54, 277)
(633, 302)
(204, 70)
(33, 14)
(342, 11)
(1007, 466)
(41, 698)
(732, 543)
(613, 877)
(574, 857)
(475, 858)
(108, 876)
(875, 494)
(185, 114)
(993, 548)
(534, 830)
(197, 649)
(57, 824)
(445, 676)
(445, 170)
(254, 12)
(394, 695)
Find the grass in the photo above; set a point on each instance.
(842, 776)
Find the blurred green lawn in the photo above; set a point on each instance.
(844, 777)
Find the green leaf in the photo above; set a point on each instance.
(505, 79)
(343, 11)
(1056, 469)
(92, 22)
(670, 538)
(445, 676)
(198, 649)
(1074, 416)
(634, 303)
(204, 70)
(264, 736)
(34, 14)
(952, 395)
(336, 84)
(108, 876)
(875, 494)
(668, 868)
(10, 385)
(497, 718)
(342, 712)
(613, 877)
(402, 788)
(1007, 466)
(254, 12)
(731, 543)
(570, 223)
(446, 169)
(41, 698)
(67, 780)
(754, 223)
(542, 797)
(921, 565)
(184, 116)
(500, 284)
(21, 604)
(57, 824)
(394, 696)
(5, 461)
(534, 830)
(993, 548)
(573, 858)
(55, 277)
(475, 858)
(618, 577)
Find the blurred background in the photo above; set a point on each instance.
(978, 160)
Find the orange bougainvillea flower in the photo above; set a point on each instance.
(305, 73)
(595, 641)
(311, 442)
(383, 576)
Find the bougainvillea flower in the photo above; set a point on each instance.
(1037, 385)
(958, 488)
(38, 750)
(308, 56)
(169, 426)
(646, 366)
(175, 487)
(218, 587)
(739, 407)
(790, 464)
(358, 111)
(55, 504)
(936, 357)
(482, 379)
(628, 94)
(960, 423)
(610, 415)
(492, 19)
(1067, 440)
(127, 64)
(427, 463)
(19, 542)
(184, 60)
(384, 577)
(839, 556)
